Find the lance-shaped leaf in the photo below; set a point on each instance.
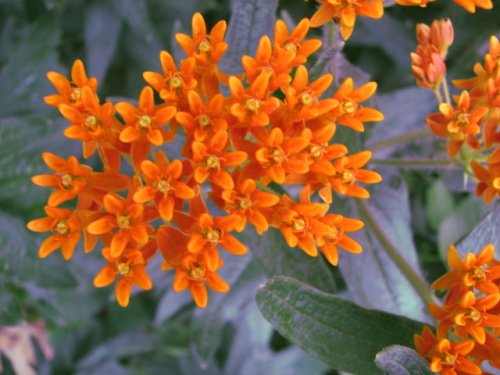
(338, 332)
(276, 258)
(250, 19)
(486, 232)
(399, 360)
(373, 278)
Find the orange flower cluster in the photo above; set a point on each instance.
(468, 5)
(472, 124)
(470, 315)
(273, 126)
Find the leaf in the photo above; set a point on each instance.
(250, 19)
(102, 29)
(337, 332)
(404, 111)
(461, 220)
(19, 159)
(22, 78)
(398, 360)
(486, 232)
(276, 258)
(439, 203)
(372, 277)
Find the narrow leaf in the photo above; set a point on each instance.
(486, 232)
(338, 332)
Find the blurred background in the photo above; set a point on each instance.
(73, 328)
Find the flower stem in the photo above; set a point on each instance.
(446, 91)
(415, 163)
(438, 95)
(418, 283)
(398, 140)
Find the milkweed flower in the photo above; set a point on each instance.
(344, 13)
(242, 134)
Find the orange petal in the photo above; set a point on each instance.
(122, 292)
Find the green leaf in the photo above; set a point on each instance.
(250, 19)
(337, 332)
(373, 277)
(486, 232)
(276, 258)
(22, 79)
(102, 29)
(439, 203)
(398, 360)
(19, 159)
(461, 220)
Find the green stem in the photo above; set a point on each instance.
(399, 140)
(415, 163)
(438, 95)
(419, 284)
(446, 91)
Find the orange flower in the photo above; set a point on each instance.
(445, 357)
(460, 125)
(67, 226)
(192, 271)
(248, 202)
(70, 93)
(473, 271)
(210, 161)
(174, 84)
(340, 225)
(75, 180)
(299, 223)
(302, 100)
(163, 185)
(293, 46)
(344, 13)
(252, 106)
(439, 35)
(268, 61)
(470, 5)
(420, 3)
(91, 124)
(349, 172)
(207, 49)
(143, 125)
(489, 177)
(127, 217)
(203, 119)
(131, 268)
(348, 112)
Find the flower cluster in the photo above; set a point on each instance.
(471, 123)
(226, 146)
(468, 331)
(344, 12)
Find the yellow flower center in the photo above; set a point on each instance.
(123, 222)
(347, 176)
(144, 122)
(175, 82)
(306, 99)
(244, 204)
(316, 151)
(62, 227)
(163, 186)
(348, 106)
(212, 162)
(211, 234)
(91, 122)
(291, 47)
(204, 47)
(449, 359)
(75, 95)
(477, 274)
(277, 156)
(66, 180)
(196, 272)
(204, 120)
(475, 315)
(253, 104)
(496, 183)
(463, 119)
(124, 269)
(299, 224)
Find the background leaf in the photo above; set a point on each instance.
(398, 360)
